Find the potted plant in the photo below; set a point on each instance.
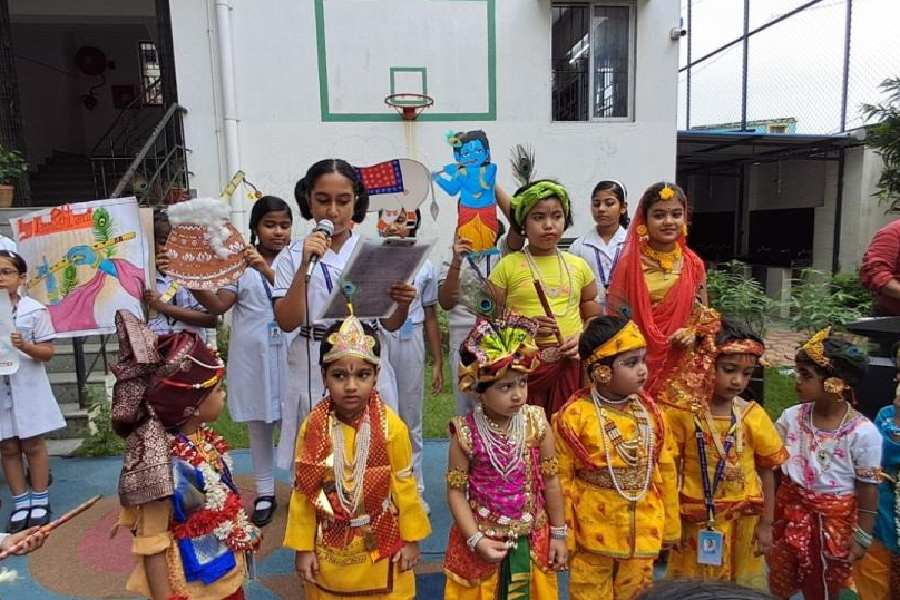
(12, 167)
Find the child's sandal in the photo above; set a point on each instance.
(15, 526)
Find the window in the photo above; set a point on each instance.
(150, 73)
(592, 60)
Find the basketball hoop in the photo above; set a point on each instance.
(409, 105)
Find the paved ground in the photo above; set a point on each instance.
(782, 345)
(80, 561)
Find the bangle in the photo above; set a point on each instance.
(862, 538)
(473, 540)
(558, 532)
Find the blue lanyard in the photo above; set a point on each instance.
(709, 489)
(265, 283)
(327, 275)
(604, 279)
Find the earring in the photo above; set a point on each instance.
(603, 374)
(684, 229)
(642, 231)
(834, 385)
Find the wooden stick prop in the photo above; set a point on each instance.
(547, 310)
(50, 526)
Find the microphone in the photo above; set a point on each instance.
(327, 227)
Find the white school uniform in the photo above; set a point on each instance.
(162, 324)
(257, 353)
(600, 256)
(459, 322)
(304, 380)
(406, 348)
(27, 404)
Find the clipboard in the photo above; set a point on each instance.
(373, 267)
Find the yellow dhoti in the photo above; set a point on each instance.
(740, 562)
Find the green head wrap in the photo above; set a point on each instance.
(534, 193)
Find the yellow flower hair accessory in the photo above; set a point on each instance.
(351, 340)
(815, 348)
(628, 338)
(666, 193)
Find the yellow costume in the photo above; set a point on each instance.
(150, 524)
(615, 534)
(738, 498)
(660, 280)
(357, 569)
(563, 276)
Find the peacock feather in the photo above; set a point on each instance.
(475, 293)
(70, 280)
(103, 231)
(522, 161)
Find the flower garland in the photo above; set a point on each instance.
(223, 513)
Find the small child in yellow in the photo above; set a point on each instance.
(734, 502)
(616, 467)
(355, 517)
(509, 535)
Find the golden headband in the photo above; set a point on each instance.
(351, 340)
(628, 338)
(814, 348)
(742, 347)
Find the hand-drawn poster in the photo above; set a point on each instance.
(85, 262)
(472, 177)
(9, 356)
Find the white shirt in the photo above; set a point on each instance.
(162, 324)
(7, 244)
(425, 283)
(600, 255)
(829, 462)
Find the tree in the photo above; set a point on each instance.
(884, 138)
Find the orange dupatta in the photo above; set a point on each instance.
(628, 292)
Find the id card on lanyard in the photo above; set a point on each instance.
(711, 543)
(274, 334)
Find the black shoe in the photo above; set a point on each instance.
(38, 521)
(20, 524)
(263, 516)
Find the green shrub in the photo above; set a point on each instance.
(818, 302)
(737, 296)
(851, 287)
(12, 166)
(103, 441)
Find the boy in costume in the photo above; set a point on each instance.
(355, 517)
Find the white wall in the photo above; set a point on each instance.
(863, 215)
(281, 131)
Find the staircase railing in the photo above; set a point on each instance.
(157, 173)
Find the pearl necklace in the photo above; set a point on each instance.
(630, 452)
(505, 451)
(360, 458)
(572, 299)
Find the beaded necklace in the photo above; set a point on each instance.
(631, 452)
(350, 502)
(572, 300)
(823, 452)
(505, 451)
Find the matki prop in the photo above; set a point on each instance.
(398, 184)
(472, 177)
(9, 356)
(205, 250)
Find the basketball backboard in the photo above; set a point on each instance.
(369, 49)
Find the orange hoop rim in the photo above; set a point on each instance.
(409, 104)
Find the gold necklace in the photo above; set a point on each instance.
(666, 258)
(551, 291)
